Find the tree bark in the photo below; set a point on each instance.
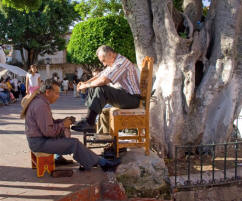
(23, 58)
(198, 78)
(193, 9)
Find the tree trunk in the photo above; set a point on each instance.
(198, 76)
(23, 58)
(193, 9)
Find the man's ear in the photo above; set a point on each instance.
(47, 92)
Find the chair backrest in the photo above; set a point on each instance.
(146, 82)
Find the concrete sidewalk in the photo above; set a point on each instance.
(17, 180)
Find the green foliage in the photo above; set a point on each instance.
(38, 32)
(182, 34)
(98, 8)
(205, 11)
(22, 4)
(6, 51)
(89, 35)
(178, 4)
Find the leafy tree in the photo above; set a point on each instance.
(22, 4)
(98, 8)
(38, 32)
(87, 36)
(178, 4)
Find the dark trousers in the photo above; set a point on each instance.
(63, 146)
(15, 94)
(98, 97)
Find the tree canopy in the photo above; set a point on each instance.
(98, 8)
(26, 5)
(38, 32)
(87, 36)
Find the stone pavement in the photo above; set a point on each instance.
(17, 180)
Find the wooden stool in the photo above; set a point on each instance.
(42, 162)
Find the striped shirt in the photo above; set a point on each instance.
(123, 72)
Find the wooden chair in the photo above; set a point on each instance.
(42, 162)
(137, 118)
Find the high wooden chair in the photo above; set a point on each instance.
(137, 118)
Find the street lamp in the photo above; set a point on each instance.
(47, 60)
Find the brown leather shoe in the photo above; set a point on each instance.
(61, 173)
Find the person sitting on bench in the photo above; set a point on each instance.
(44, 134)
(118, 70)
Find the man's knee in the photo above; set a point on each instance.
(101, 88)
(74, 140)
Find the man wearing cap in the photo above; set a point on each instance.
(44, 134)
(118, 70)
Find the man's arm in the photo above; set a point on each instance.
(100, 81)
(88, 81)
(92, 79)
(45, 122)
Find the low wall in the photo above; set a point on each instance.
(231, 192)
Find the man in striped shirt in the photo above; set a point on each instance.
(118, 70)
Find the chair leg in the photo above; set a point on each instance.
(116, 143)
(33, 160)
(147, 141)
(139, 134)
(84, 139)
(115, 146)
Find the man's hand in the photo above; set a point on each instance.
(79, 85)
(67, 122)
(83, 86)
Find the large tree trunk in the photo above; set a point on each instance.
(193, 9)
(31, 58)
(198, 77)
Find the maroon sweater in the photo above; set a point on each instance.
(39, 121)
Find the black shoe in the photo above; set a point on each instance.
(81, 168)
(62, 161)
(111, 165)
(83, 126)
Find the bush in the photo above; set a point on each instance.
(89, 35)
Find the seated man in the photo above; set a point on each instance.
(118, 70)
(3, 96)
(45, 134)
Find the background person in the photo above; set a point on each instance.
(65, 85)
(10, 89)
(15, 91)
(32, 80)
(3, 95)
(22, 89)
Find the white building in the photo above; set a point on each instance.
(49, 64)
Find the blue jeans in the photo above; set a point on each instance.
(4, 97)
(63, 146)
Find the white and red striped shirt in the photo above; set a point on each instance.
(123, 72)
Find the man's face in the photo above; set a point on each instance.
(107, 59)
(53, 94)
